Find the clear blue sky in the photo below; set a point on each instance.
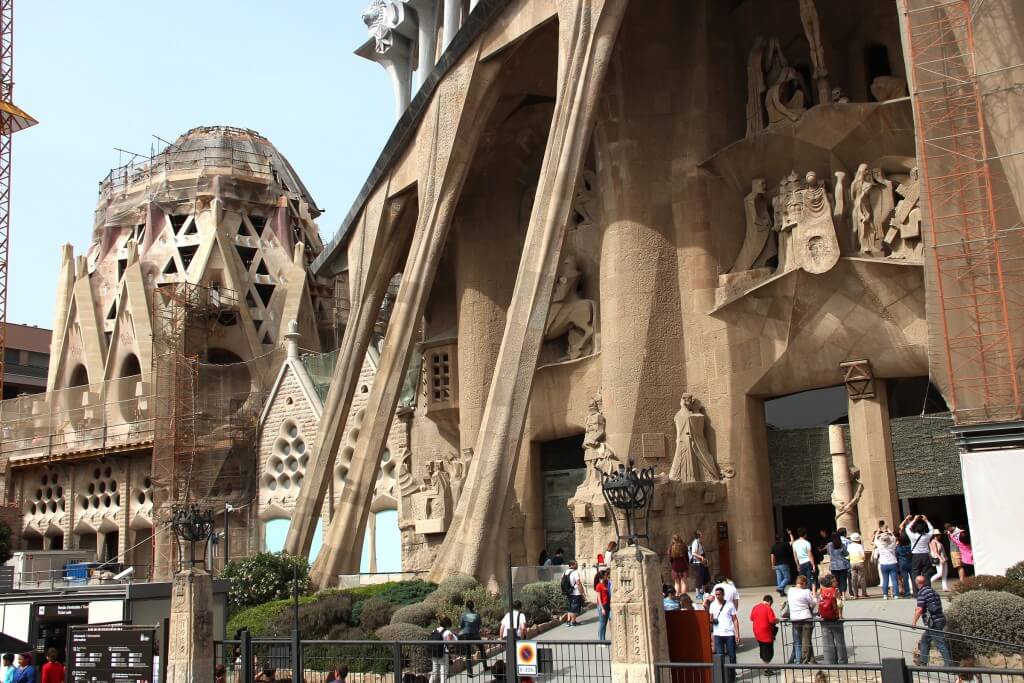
(100, 74)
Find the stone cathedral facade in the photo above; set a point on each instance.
(602, 232)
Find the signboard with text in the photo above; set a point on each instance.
(110, 654)
(526, 658)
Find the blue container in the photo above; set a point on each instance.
(76, 573)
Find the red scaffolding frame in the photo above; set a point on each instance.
(974, 225)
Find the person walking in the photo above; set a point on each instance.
(439, 651)
(603, 590)
(939, 559)
(669, 601)
(780, 556)
(830, 609)
(728, 587)
(929, 610)
(839, 562)
(858, 567)
(699, 560)
(962, 540)
(888, 563)
(469, 629)
(679, 564)
(766, 627)
(515, 620)
(905, 563)
(7, 669)
(919, 532)
(572, 587)
(803, 555)
(801, 603)
(725, 627)
(53, 670)
(26, 672)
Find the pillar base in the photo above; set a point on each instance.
(190, 647)
(639, 633)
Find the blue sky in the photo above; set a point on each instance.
(100, 74)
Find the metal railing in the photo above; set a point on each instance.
(111, 414)
(891, 670)
(51, 579)
(869, 641)
(375, 661)
(174, 160)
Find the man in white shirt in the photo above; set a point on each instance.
(725, 625)
(577, 595)
(439, 652)
(803, 555)
(517, 617)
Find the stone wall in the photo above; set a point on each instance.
(924, 453)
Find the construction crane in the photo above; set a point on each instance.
(12, 120)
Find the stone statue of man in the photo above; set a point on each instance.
(693, 459)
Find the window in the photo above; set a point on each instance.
(38, 360)
(440, 376)
(12, 356)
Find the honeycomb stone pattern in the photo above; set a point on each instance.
(286, 466)
(45, 506)
(100, 497)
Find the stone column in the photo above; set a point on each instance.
(871, 443)
(190, 646)
(639, 633)
(842, 483)
(426, 39)
(452, 14)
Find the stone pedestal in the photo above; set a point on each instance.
(639, 635)
(871, 443)
(190, 650)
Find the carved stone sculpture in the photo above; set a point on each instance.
(872, 207)
(760, 243)
(785, 99)
(596, 451)
(807, 214)
(847, 488)
(885, 88)
(755, 87)
(812, 29)
(571, 315)
(903, 238)
(377, 25)
(693, 459)
(432, 504)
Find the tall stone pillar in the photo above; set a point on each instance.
(872, 454)
(842, 482)
(190, 648)
(639, 632)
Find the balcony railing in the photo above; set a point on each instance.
(114, 414)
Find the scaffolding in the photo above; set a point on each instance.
(974, 223)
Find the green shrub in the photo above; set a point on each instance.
(262, 578)
(415, 659)
(490, 607)
(375, 614)
(542, 601)
(269, 619)
(987, 582)
(453, 590)
(324, 612)
(1016, 572)
(406, 592)
(421, 614)
(993, 615)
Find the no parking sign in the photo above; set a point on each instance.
(526, 657)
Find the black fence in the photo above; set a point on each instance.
(891, 670)
(374, 661)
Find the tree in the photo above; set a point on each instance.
(263, 578)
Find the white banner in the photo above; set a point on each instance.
(992, 489)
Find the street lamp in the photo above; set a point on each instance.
(193, 525)
(631, 490)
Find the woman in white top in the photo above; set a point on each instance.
(938, 554)
(888, 563)
(801, 603)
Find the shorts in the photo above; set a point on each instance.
(680, 565)
(575, 604)
(954, 558)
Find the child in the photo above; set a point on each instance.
(765, 628)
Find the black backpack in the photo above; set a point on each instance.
(436, 648)
(566, 583)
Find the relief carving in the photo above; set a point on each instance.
(571, 316)
(694, 459)
(903, 238)
(432, 504)
(760, 244)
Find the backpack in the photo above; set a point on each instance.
(566, 583)
(436, 648)
(828, 608)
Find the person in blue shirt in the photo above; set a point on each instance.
(670, 603)
(7, 669)
(26, 673)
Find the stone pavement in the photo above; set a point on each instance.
(864, 640)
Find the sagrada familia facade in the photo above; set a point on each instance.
(601, 232)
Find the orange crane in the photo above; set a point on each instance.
(12, 120)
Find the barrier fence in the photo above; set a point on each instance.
(890, 670)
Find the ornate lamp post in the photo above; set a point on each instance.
(631, 490)
(193, 525)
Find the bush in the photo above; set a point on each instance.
(406, 592)
(542, 601)
(422, 614)
(375, 614)
(327, 610)
(415, 659)
(263, 578)
(993, 615)
(1016, 572)
(453, 590)
(490, 607)
(987, 582)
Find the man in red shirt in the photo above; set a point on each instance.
(53, 670)
(765, 628)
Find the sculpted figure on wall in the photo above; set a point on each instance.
(872, 207)
(760, 243)
(812, 30)
(571, 315)
(432, 504)
(807, 216)
(596, 451)
(785, 99)
(903, 238)
(846, 507)
(693, 459)
(765, 63)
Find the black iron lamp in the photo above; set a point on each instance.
(192, 525)
(631, 490)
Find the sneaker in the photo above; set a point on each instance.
(885, 597)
